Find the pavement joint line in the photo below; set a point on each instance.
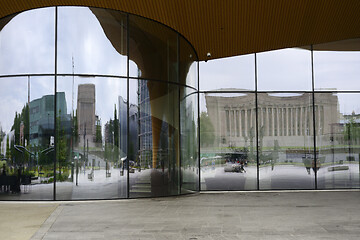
(168, 197)
(282, 191)
(75, 201)
(44, 228)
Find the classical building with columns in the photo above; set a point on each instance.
(285, 118)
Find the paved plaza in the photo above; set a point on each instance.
(210, 215)
(279, 177)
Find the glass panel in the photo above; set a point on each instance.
(336, 65)
(233, 73)
(188, 65)
(338, 139)
(286, 141)
(27, 42)
(228, 141)
(285, 69)
(91, 138)
(134, 71)
(91, 41)
(27, 138)
(189, 140)
(153, 49)
(154, 139)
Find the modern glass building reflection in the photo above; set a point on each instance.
(101, 104)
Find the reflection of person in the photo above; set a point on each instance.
(3, 175)
(307, 163)
(242, 165)
(317, 165)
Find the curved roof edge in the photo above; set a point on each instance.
(233, 27)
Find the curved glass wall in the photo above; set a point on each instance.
(95, 104)
(100, 104)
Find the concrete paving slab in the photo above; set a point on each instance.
(22, 220)
(213, 215)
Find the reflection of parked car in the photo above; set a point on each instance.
(234, 167)
(124, 163)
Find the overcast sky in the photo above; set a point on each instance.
(27, 46)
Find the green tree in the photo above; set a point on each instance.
(62, 149)
(98, 135)
(116, 128)
(8, 151)
(207, 135)
(15, 155)
(24, 117)
(352, 132)
(16, 128)
(108, 151)
(2, 135)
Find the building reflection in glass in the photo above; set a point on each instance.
(228, 141)
(286, 155)
(27, 138)
(114, 140)
(286, 142)
(92, 157)
(338, 140)
(153, 167)
(98, 132)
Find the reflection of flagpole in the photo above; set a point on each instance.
(72, 100)
(72, 124)
(28, 90)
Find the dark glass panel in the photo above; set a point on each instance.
(92, 41)
(228, 141)
(27, 42)
(91, 138)
(338, 139)
(284, 69)
(286, 152)
(153, 50)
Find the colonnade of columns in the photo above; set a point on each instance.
(273, 121)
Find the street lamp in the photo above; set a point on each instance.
(84, 144)
(22, 149)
